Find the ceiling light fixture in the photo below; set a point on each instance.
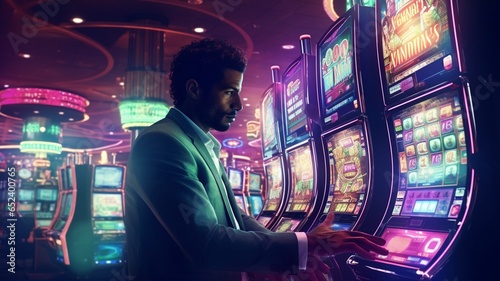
(288, 47)
(141, 113)
(77, 20)
(142, 104)
(41, 111)
(199, 29)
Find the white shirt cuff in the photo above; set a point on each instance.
(302, 239)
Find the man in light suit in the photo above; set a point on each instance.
(181, 219)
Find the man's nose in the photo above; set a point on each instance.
(236, 104)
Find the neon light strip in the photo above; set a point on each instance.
(43, 97)
(141, 113)
(40, 146)
(67, 149)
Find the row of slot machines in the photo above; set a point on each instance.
(375, 125)
(34, 203)
(247, 189)
(87, 232)
(80, 217)
(30, 205)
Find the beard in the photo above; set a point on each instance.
(218, 124)
(213, 118)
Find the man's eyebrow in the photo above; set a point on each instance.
(233, 88)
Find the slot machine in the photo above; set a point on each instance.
(237, 179)
(253, 192)
(68, 236)
(26, 202)
(45, 204)
(88, 234)
(63, 187)
(350, 103)
(306, 193)
(107, 204)
(272, 152)
(432, 133)
(349, 106)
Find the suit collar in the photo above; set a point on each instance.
(221, 178)
(189, 129)
(184, 123)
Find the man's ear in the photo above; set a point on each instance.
(192, 89)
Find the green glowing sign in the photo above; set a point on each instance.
(141, 113)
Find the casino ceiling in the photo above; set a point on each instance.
(91, 59)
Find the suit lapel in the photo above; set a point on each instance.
(202, 149)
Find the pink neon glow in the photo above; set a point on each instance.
(43, 97)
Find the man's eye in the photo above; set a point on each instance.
(229, 92)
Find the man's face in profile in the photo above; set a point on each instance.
(218, 107)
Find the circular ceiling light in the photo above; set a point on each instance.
(199, 29)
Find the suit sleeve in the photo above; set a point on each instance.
(165, 174)
(251, 224)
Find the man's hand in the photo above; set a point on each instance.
(324, 242)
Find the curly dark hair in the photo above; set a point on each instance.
(204, 61)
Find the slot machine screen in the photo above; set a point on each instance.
(432, 156)
(108, 253)
(26, 194)
(255, 204)
(264, 220)
(43, 223)
(64, 212)
(25, 207)
(274, 174)
(417, 45)
(254, 182)
(294, 105)
(109, 225)
(341, 226)
(59, 225)
(240, 201)
(69, 177)
(302, 181)
(107, 205)
(64, 178)
(108, 176)
(46, 194)
(412, 247)
(337, 82)
(269, 129)
(235, 178)
(66, 207)
(287, 224)
(349, 169)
